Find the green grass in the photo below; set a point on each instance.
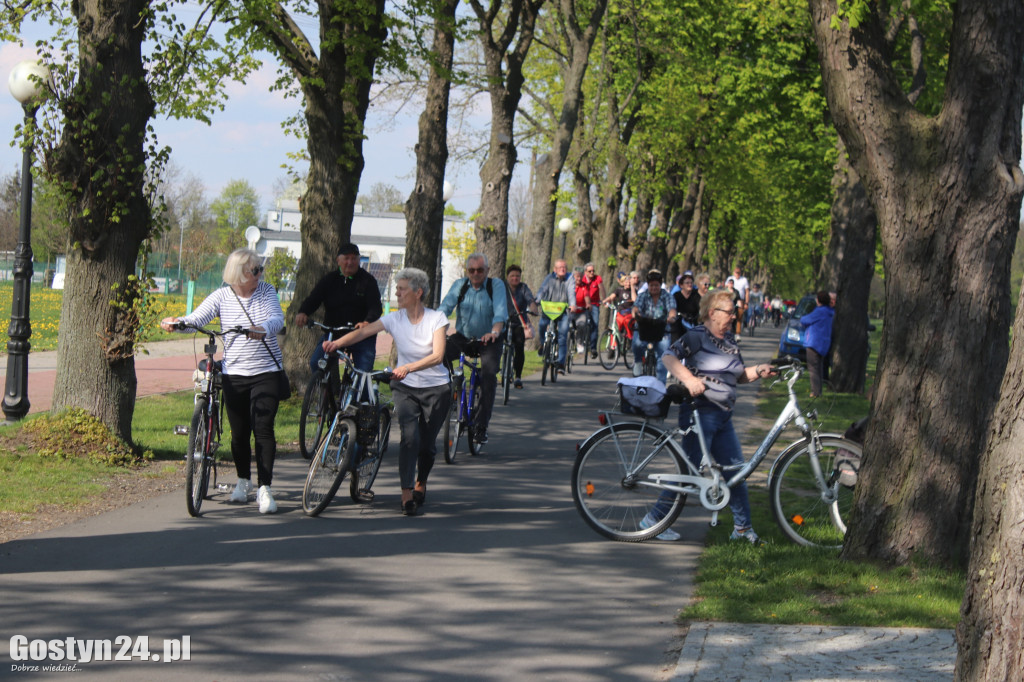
(780, 582)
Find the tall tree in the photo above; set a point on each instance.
(501, 24)
(990, 634)
(105, 92)
(236, 208)
(947, 190)
(576, 39)
(424, 209)
(334, 80)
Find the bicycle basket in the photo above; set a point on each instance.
(367, 423)
(644, 396)
(650, 331)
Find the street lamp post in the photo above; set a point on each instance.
(564, 225)
(26, 83)
(447, 190)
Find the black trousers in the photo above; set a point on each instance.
(251, 404)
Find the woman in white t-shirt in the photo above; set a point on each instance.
(420, 387)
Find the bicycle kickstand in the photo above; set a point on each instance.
(714, 518)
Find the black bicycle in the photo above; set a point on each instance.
(321, 399)
(204, 430)
(651, 332)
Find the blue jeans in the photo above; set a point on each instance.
(563, 332)
(724, 446)
(660, 348)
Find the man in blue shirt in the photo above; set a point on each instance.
(481, 311)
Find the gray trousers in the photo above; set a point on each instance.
(421, 412)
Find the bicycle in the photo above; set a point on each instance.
(753, 315)
(466, 399)
(205, 429)
(570, 344)
(508, 361)
(363, 422)
(320, 401)
(584, 333)
(549, 350)
(622, 470)
(614, 343)
(651, 331)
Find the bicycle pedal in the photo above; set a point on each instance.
(365, 496)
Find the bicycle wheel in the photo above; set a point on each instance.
(650, 362)
(606, 481)
(474, 414)
(365, 472)
(198, 458)
(328, 467)
(570, 350)
(796, 497)
(317, 410)
(452, 431)
(585, 334)
(606, 350)
(547, 362)
(626, 348)
(506, 374)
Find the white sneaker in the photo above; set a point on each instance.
(241, 492)
(265, 496)
(668, 534)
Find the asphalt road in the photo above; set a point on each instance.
(498, 579)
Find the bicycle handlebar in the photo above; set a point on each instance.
(330, 330)
(237, 329)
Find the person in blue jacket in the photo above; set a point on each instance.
(817, 326)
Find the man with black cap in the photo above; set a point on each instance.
(349, 295)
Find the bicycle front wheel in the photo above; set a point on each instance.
(626, 348)
(365, 473)
(328, 467)
(506, 375)
(198, 458)
(607, 488)
(606, 350)
(315, 414)
(799, 503)
(472, 432)
(452, 431)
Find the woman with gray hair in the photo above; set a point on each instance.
(253, 375)
(420, 386)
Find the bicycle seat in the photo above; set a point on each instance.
(218, 365)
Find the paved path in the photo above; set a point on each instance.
(498, 580)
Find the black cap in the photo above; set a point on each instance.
(349, 249)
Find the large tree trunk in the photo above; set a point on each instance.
(101, 159)
(504, 71)
(690, 261)
(336, 88)
(424, 210)
(947, 191)
(579, 41)
(990, 634)
(850, 266)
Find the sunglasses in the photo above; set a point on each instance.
(256, 271)
(474, 271)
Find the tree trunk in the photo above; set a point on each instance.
(504, 70)
(947, 191)
(540, 230)
(851, 263)
(700, 252)
(690, 261)
(336, 89)
(990, 634)
(424, 210)
(101, 158)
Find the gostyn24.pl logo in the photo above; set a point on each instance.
(29, 654)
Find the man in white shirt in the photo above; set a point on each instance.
(742, 286)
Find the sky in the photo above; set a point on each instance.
(246, 141)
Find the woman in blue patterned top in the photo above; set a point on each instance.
(707, 361)
(656, 308)
(252, 368)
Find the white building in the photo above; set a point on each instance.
(380, 238)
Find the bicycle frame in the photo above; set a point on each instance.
(465, 391)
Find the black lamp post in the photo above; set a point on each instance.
(26, 84)
(564, 225)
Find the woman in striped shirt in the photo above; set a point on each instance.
(253, 368)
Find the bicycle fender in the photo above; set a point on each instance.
(796, 445)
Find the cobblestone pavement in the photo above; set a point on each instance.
(734, 651)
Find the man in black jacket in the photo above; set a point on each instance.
(350, 296)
